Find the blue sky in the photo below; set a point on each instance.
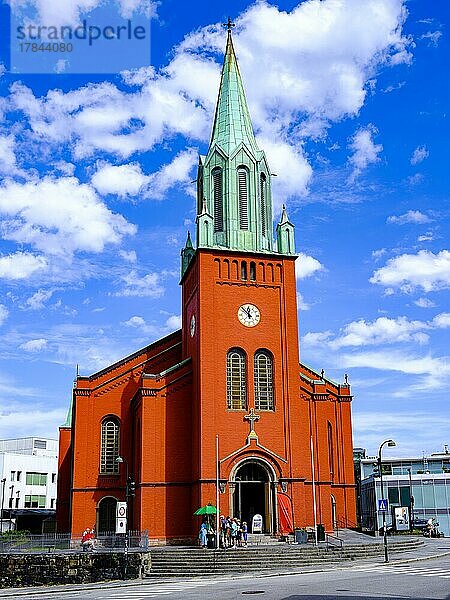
(349, 100)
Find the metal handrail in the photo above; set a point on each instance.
(330, 543)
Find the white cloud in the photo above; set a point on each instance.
(38, 299)
(377, 254)
(419, 154)
(433, 36)
(365, 151)
(34, 345)
(311, 82)
(442, 320)
(176, 173)
(4, 312)
(412, 216)
(147, 286)
(426, 237)
(123, 180)
(70, 12)
(72, 218)
(392, 360)
(382, 331)
(422, 270)
(305, 266)
(173, 322)
(301, 303)
(23, 419)
(424, 303)
(7, 155)
(21, 265)
(129, 256)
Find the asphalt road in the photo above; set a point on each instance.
(428, 579)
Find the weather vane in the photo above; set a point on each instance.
(229, 24)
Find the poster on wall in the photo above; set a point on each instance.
(401, 514)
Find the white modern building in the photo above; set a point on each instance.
(417, 488)
(28, 474)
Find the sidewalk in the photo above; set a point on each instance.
(432, 548)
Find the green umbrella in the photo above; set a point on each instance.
(206, 510)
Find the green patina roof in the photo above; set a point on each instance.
(68, 422)
(232, 123)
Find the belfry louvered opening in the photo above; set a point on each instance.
(263, 366)
(263, 208)
(218, 199)
(236, 380)
(109, 446)
(242, 174)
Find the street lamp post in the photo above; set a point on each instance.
(411, 503)
(3, 481)
(390, 444)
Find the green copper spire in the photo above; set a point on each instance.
(187, 254)
(232, 123)
(285, 234)
(234, 201)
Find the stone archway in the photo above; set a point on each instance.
(106, 515)
(253, 492)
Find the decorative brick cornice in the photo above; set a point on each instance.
(81, 392)
(320, 397)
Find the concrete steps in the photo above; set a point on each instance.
(264, 558)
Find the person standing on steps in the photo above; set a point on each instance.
(202, 534)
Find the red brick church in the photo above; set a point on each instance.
(222, 408)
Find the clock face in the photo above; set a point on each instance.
(192, 326)
(249, 315)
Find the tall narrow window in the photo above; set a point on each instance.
(218, 199)
(252, 271)
(330, 449)
(262, 197)
(243, 197)
(236, 380)
(109, 447)
(263, 381)
(244, 270)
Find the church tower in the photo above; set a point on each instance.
(240, 320)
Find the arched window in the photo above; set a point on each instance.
(236, 380)
(262, 197)
(252, 271)
(218, 199)
(244, 270)
(109, 446)
(243, 197)
(263, 380)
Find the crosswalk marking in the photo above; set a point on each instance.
(405, 570)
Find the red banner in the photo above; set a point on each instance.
(285, 517)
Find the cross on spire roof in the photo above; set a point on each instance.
(229, 25)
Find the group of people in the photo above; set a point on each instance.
(88, 539)
(233, 532)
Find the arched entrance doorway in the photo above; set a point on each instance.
(106, 515)
(254, 493)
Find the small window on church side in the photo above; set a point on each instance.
(236, 380)
(218, 199)
(263, 381)
(109, 447)
(252, 271)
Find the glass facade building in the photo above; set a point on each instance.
(422, 485)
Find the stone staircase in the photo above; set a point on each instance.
(265, 557)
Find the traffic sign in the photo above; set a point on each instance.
(383, 505)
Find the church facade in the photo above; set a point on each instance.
(221, 409)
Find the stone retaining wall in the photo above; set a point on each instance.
(57, 568)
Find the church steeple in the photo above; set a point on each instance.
(232, 123)
(234, 202)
